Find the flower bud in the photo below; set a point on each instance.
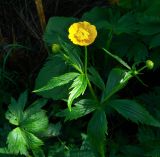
(149, 64)
(56, 48)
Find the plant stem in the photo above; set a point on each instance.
(142, 69)
(41, 14)
(85, 71)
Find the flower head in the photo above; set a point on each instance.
(82, 33)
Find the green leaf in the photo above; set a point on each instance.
(72, 53)
(38, 153)
(78, 87)
(96, 78)
(146, 135)
(17, 142)
(148, 25)
(126, 24)
(155, 57)
(81, 108)
(138, 51)
(52, 130)
(57, 27)
(34, 107)
(35, 123)
(133, 111)
(97, 128)
(125, 4)
(32, 120)
(132, 151)
(131, 47)
(155, 41)
(4, 150)
(35, 119)
(58, 81)
(111, 20)
(54, 67)
(152, 8)
(81, 153)
(22, 100)
(96, 15)
(117, 79)
(15, 112)
(154, 153)
(33, 141)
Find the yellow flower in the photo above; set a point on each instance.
(82, 33)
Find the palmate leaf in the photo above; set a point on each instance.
(97, 128)
(81, 108)
(78, 87)
(117, 79)
(14, 114)
(22, 100)
(17, 142)
(32, 120)
(33, 141)
(133, 111)
(35, 123)
(35, 119)
(34, 107)
(58, 81)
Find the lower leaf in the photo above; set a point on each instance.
(133, 111)
(97, 128)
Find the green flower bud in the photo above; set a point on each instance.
(149, 64)
(56, 48)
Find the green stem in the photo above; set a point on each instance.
(142, 69)
(85, 71)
